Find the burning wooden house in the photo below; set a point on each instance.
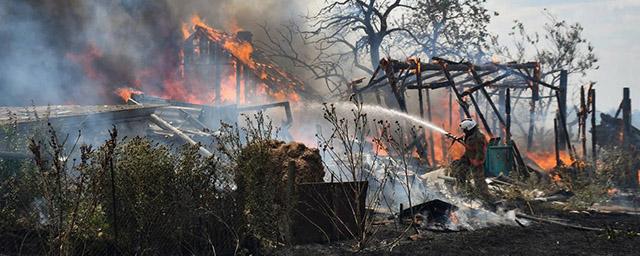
(228, 69)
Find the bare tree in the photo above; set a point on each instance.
(289, 47)
(561, 45)
(362, 27)
(346, 38)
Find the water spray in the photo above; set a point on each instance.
(414, 119)
(406, 116)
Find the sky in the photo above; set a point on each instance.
(611, 25)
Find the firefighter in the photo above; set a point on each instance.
(472, 162)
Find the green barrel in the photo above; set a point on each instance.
(498, 160)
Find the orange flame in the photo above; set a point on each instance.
(125, 93)
(242, 51)
(547, 160)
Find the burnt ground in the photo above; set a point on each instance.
(621, 238)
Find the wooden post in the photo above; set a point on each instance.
(480, 115)
(421, 103)
(626, 116)
(557, 141)
(562, 106)
(507, 105)
(594, 153)
(532, 124)
(393, 82)
(583, 122)
(565, 132)
(502, 99)
(535, 96)
(450, 110)
(632, 174)
(419, 83)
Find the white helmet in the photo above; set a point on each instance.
(468, 124)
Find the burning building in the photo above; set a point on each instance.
(219, 68)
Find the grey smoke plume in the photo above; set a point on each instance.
(80, 51)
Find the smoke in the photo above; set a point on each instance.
(80, 51)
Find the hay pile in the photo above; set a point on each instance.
(308, 163)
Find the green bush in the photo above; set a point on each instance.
(135, 196)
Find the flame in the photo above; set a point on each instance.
(547, 160)
(242, 51)
(125, 93)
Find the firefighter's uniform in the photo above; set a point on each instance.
(472, 162)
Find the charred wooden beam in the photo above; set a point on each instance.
(535, 85)
(462, 68)
(556, 140)
(507, 106)
(445, 69)
(594, 153)
(561, 97)
(480, 115)
(478, 80)
(484, 84)
(527, 77)
(626, 116)
(565, 131)
(532, 124)
(390, 70)
(583, 122)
